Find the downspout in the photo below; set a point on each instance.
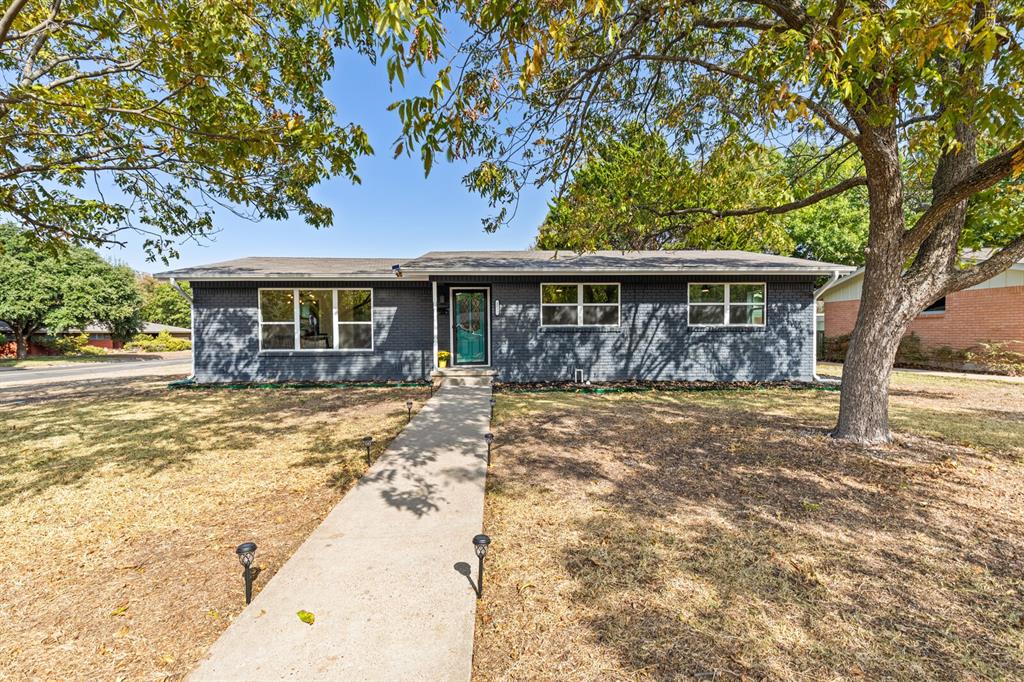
(814, 326)
(191, 320)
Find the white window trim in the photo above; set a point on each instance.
(296, 327)
(580, 305)
(728, 305)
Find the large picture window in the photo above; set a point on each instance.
(740, 304)
(579, 305)
(316, 319)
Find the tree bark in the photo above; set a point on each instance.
(882, 318)
(21, 343)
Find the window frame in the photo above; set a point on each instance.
(727, 304)
(580, 305)
(297, 326)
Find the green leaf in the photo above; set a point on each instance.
(306, 617)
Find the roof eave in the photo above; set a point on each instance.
(619, 272)
(187, 277)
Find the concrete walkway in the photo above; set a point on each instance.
(836, 369)
(379, 574)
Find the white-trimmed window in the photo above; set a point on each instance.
(733, 304)
(579, 305)
(316, 319)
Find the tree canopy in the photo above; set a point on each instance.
(60, 290)
(162, 304)
(619, 197)
(147, 115)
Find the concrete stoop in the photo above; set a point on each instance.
(462, 376)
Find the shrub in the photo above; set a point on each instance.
(911, 351)
(998, 356)
(834, 348)
(162, 343)
(72, 345)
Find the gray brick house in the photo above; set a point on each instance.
(524, 315)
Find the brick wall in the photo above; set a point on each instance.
(653, 341)
(971, 316)
(226, 337)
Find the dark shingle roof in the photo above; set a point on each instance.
(676, 261)
(508, 262)
(270, 267)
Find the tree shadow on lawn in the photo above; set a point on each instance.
(741, 543)
(138, 427)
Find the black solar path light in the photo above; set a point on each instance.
(494, 401)
(368, 443)
(408, 406)
(488, 438)
(480, 543)
(246, 552)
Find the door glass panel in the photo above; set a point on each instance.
(470, 327)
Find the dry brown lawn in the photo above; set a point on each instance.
(121, 505)
(723, 535)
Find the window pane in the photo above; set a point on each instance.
(354, 305)
(558, 293)
(277, 336)
(315, 313)
(746, 293)
(559, 314)
(938, 307)
(600, 293)
(601, 314)
(355, 336)
(707, 314)
(746, 314)
(276, 306)
(707, 293)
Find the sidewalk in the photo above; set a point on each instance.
(379, 573)
(836, 369)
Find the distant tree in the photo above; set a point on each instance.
(621, 198)
(162, 304)
(147, 115)
(62, 289)
(618, 199)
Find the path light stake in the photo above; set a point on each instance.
(488, 438)
(246, 551)
(480, 543)
(408, 406)
(494, 401)
(368, 443)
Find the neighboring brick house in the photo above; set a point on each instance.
(524, 315)
(99, 336)
(992, 311)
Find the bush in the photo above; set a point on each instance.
(834, 348)
(999, 357)
(72, 345)
(162, 343)
(911, 351)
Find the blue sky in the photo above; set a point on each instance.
(395, 212)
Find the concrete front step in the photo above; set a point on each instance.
(462, 376)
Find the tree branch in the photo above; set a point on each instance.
(987, 269)
(7, 20)
(985, 175)
(823, 112)
(832, 191)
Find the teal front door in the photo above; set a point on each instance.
(470, 324)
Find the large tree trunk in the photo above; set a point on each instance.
(864, 400)
(21, 343)
(882, 318)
